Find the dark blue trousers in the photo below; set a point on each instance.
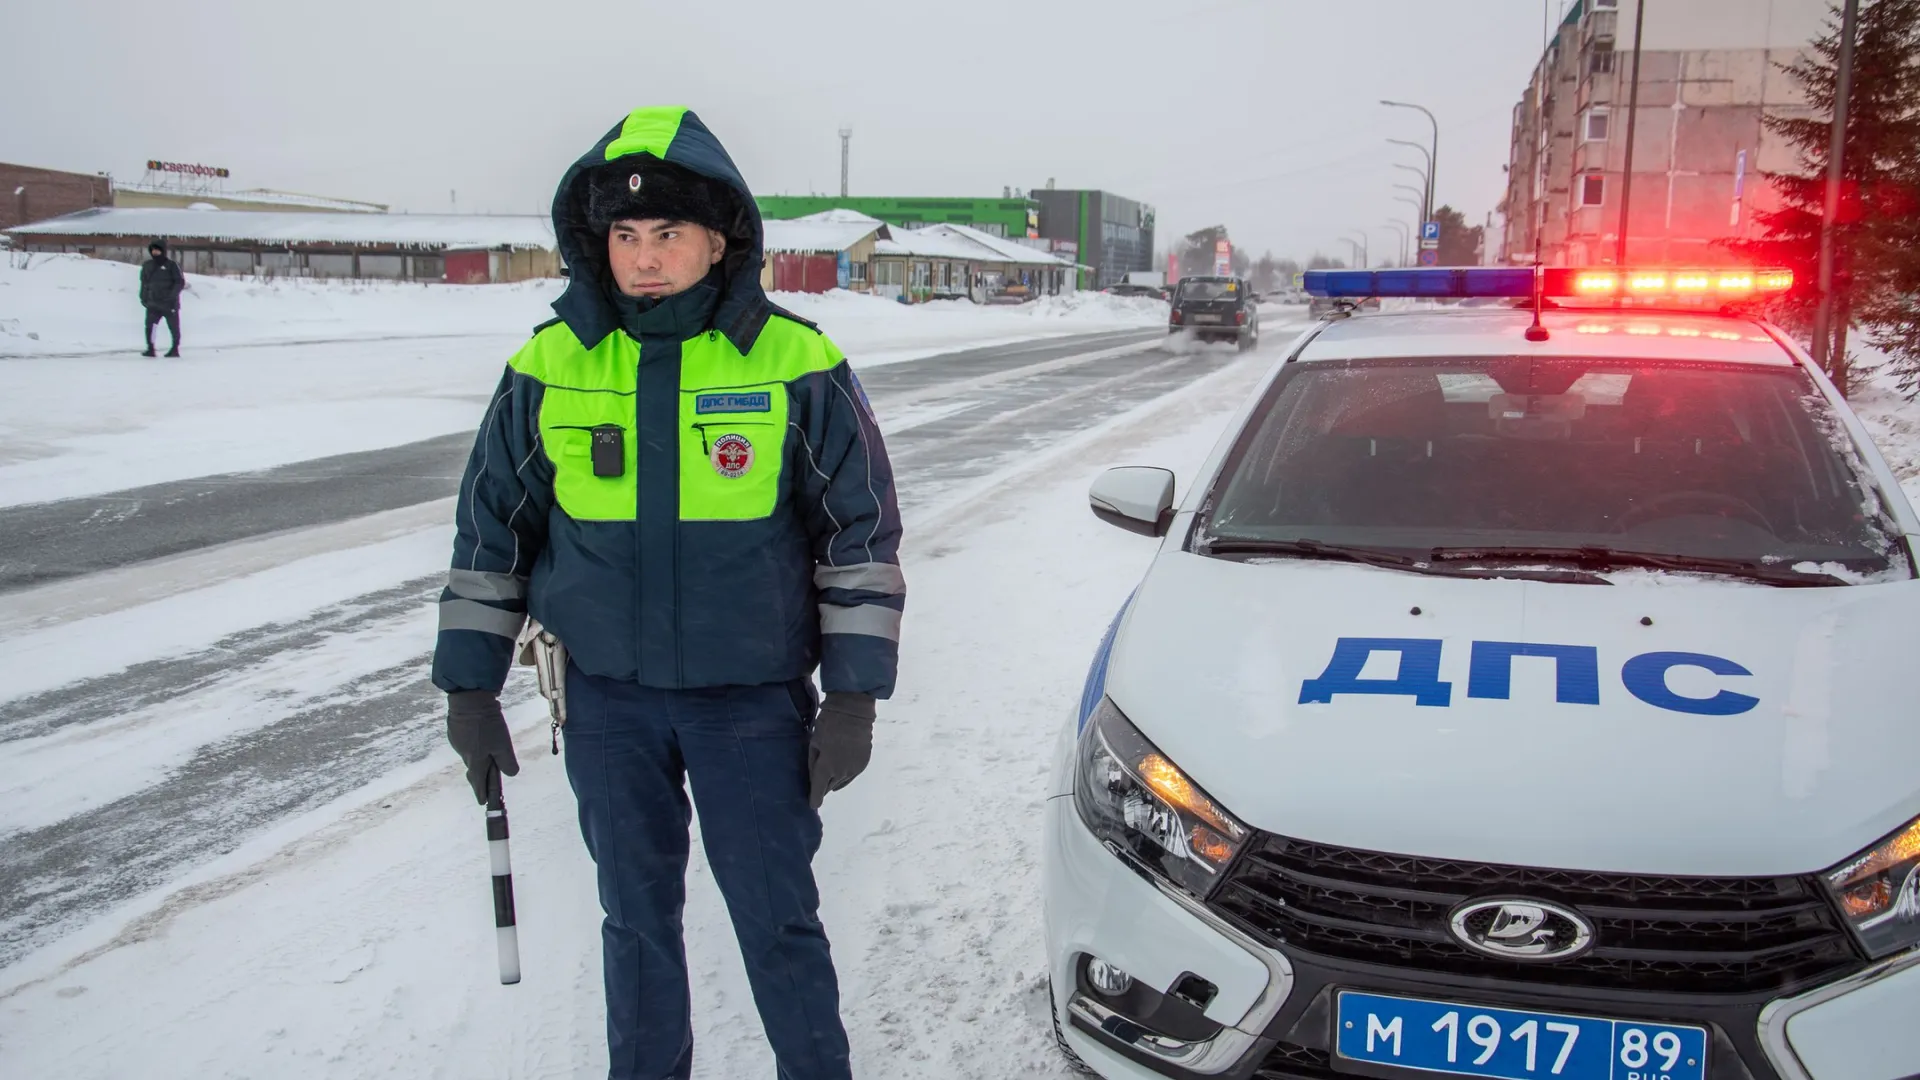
(629, 751)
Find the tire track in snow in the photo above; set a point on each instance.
(336, 741)
(156, 682)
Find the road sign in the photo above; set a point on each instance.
(1430, 233)
(1299, 281)
(1430, 257)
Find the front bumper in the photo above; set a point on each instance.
(1097, 905)
(1275, 1007)
(1215, 329)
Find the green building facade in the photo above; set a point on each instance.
(999, 217)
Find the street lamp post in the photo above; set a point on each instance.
(1633, 115)
(1355, 245)
(1405, 235)
(1823, 319)
(1366, 255)
(1433, 159)
(1412, 248)
(1422, 189)
(1426, 176)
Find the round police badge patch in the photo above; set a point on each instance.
(732, 456)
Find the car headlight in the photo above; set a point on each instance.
(1136, 800)
(1879, 892)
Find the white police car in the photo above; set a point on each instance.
(1506, 700)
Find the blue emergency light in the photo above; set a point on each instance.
(1460, 282)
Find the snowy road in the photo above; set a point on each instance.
(150, 764)
(46, 542)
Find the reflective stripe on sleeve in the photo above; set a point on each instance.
(874, 577)
(473, 615)
(871, 620)
(486, 585)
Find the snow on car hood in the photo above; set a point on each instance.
(1214, 654)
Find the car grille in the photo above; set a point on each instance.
(1663, 934)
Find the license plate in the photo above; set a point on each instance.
(1471, 1040)
(1206, 318)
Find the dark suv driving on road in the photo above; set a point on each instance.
(1216, 309)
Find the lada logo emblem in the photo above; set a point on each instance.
(1521, 929)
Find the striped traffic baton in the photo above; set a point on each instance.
(505, 933)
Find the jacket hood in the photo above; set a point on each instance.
(1610, 758)
(675, 135)
(161, 245)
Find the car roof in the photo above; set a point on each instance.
(1636, 335)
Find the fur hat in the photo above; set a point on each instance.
(625, 191)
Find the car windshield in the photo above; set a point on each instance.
(1208, 290)
(1506, 457)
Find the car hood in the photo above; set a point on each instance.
(1213, 656)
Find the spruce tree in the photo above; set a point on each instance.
(1876, 234)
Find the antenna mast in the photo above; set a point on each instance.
(846, 137)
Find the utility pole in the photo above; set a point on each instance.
(1633, 114)
(1823, 322)
(846, 137)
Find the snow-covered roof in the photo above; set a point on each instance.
(413, 230)
(270, 197)
(842, 215)
(829, 231)
(1004, 250)
(928, 244)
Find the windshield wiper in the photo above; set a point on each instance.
(1596, 557)
(1371, 556)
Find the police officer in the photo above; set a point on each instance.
(685, 485)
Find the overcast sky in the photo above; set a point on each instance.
(1259, 114)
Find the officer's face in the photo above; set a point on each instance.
(658, 258)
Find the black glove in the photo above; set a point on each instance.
(478, 732)
(842, 744)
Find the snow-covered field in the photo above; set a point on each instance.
(357, 941)
(288, 370)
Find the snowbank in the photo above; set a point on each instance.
(1894, 423)
(69, 304)
(52, 305)
(874, 331)
(289, 370)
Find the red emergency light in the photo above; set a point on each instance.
(1652, 283)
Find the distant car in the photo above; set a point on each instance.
(1216, 309)
(1127, 288)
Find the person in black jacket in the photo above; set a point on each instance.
(161, 282)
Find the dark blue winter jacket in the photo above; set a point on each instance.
(697, 497)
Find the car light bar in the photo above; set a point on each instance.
(1602, 283)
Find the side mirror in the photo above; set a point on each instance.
(1135, 498)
